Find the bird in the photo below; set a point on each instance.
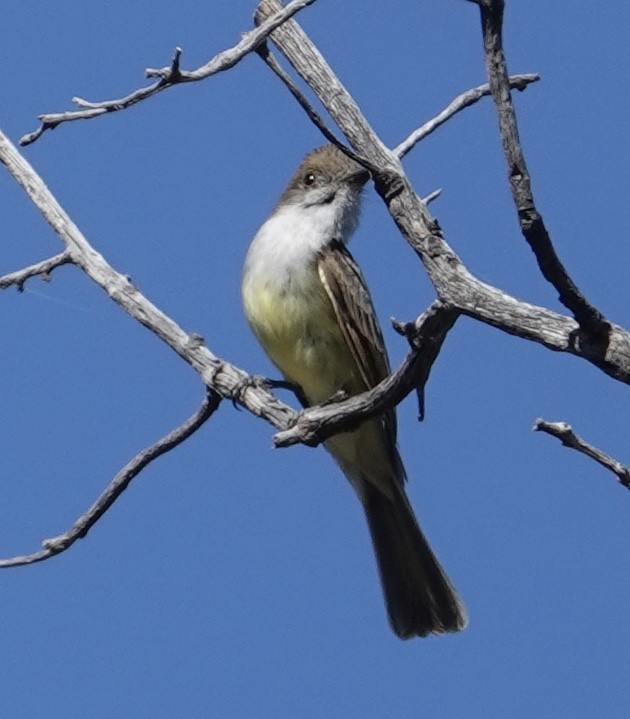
(308, 304)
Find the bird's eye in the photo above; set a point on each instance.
(309, 179)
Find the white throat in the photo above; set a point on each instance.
(289, 240)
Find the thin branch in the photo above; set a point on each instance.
(427, 334)
(461, 102)
(117, 486)
(271, 62)
(564, 432)
(169, 76)
(427, 199)
(308, 62)
(43, 269)
(532, 225)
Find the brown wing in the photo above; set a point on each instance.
(353, 307)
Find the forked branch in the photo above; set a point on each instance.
(426, 335)
(169, 76)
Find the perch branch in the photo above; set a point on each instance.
(58, 544)
(426, 334)
(169, 76)
(222, 377)
(564, 432)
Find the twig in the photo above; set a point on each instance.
(466, 99)
(43, 268)
(427, 199)
(169, 76)
(531, 221)
(271, 62)
(58, 544)
(565, 433)
(427, 334)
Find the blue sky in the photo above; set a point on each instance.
(232, 580)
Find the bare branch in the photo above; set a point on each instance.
(427, 334)
(117, 486)
(531, 221)
(466, 99)
(169, 76)
(564, 432)
(274, 65)
(43, 269)
(432, 196)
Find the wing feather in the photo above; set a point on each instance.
(346, 288)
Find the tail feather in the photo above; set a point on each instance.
(420, 599)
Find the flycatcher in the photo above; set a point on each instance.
(308, 305)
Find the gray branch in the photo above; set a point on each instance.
(58, 544)
(43, 269)
(169, 76)
(564, 432)
(219, 375)
(426, 335)
(461, 102)
(531, 221)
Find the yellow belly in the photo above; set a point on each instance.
(299, 331)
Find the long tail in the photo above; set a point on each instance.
(420, 599)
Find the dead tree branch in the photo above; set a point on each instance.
(218, 375)
(564, 432)
(58, 544)
(591, 321)
(426, 335)
(43, 269)
(169, 76)
(461, 102)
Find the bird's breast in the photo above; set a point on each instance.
(295, 323)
